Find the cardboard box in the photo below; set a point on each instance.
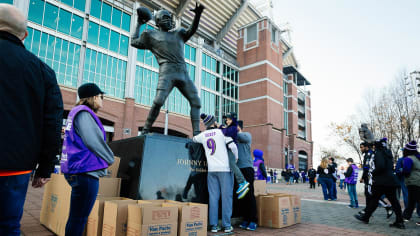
(296, 208)
(149, 219)
(115, 217)
(95, 219)
(277, 211)
(260, 187)
(260, 207)
(192, 218)
(113, 169)
(56, 200)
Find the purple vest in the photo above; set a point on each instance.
(76, 157)
(353, 178)
(257, 171)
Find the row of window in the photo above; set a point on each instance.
(109, 14)
(108, 39)
(230, 73)
(208, 102)
(106, 71)
(209, 63)
(145, 90)
(6, 1)
(230, 89)
(55, 18)
(78, 4)
(209, 80)
(61, 55)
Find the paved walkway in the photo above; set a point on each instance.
(319, 217)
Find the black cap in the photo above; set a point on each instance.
(88, 90)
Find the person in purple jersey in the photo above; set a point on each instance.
(85, 157)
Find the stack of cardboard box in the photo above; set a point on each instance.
(118, 216)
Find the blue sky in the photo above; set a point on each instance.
(345, 47)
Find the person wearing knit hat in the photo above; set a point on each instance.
(243, 187)
(219, 175)
(85, 156)
(411, 170)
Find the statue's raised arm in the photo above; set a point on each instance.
(143, 16)
(198, 10)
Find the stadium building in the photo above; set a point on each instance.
(238, 60)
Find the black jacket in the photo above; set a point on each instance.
(383, 174)
(31, 110)
(312, 173)
(325, 174)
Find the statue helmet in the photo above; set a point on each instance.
(160, 14)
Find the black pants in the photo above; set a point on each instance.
(311, 182)
(413, 198)
(390, 193)
(248, 205)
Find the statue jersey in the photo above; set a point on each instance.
(168, 47)
(214, 143)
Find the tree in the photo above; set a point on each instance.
(347, 134)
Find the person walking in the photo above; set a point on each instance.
(303, 174)
(246, 165)
(219, 175)
(411, 169)
(382, 181)
(340, 174)
(312, 175)
(334, 175)
(325, 177)
(85, 157)
(31, 116)
(400, 175)
(351, 181)
(260, 172)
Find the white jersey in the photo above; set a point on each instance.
(214, 143)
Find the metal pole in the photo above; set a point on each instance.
(165, 132)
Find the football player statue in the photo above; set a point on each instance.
(365, 134)
(167, 44)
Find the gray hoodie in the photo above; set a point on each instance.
(244, 150)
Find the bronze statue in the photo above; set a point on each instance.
(167, 45)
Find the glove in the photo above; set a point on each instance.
(198, 9)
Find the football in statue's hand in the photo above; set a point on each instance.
(144, 15)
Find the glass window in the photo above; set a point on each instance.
(116, 17)
(43, 46)
(273, 35)
(36, 11)
(80, 4)
(104, 37)
(76, 26)
(124, 45)
(192, 54)
(126, 22)
(28, 40)
(203, 60)
(50, 48)
(213, 64)
(95, 8)
(36, 41)
(140, 55)
(7, 1)
(68, 2)
(106, 12)
(187, 51)
(64, 22)
(114, 42)
(93, 33)
(251, 33)
(51, 16)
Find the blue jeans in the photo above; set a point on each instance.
(220, 184)
(326, 184)
(84, 189)
(342, 184)
(334, 190)
(351, 188)
(12, 198)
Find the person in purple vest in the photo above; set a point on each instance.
(85, 156)
(259, 167)
(351, 181)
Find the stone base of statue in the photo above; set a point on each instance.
(156, 166)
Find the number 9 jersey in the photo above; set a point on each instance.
(214, 143)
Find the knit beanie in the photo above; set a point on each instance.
(208, 120)
(258, 153)
(412, 146)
